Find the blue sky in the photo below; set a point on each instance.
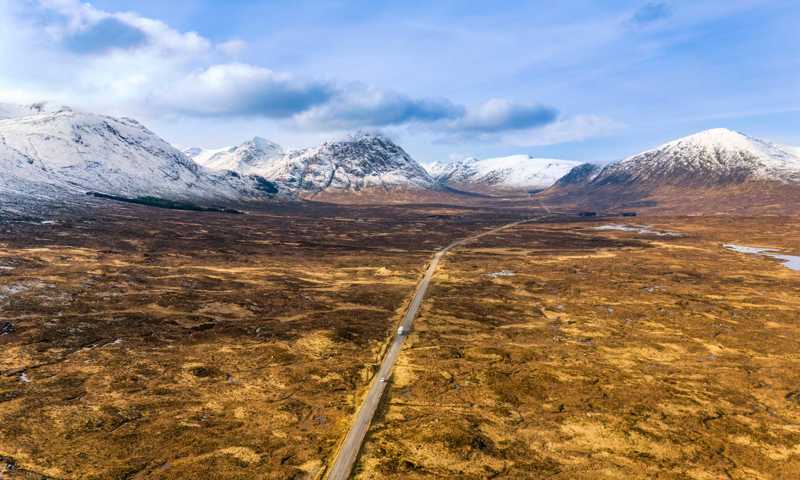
(585, 80)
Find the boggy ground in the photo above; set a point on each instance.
(561, 351)
(141, 343)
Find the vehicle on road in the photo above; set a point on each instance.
(401, 331)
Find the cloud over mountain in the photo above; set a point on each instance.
(139, 64)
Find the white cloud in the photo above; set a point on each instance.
(77, 17)
(242, 89)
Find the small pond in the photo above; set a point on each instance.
(791, 262)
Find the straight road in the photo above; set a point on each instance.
(348, 452)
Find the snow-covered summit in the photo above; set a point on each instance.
(708, 157)
(515, 172)
(12, 110)
(357, 162)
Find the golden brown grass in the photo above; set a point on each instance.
(605, 355)
(154, 344)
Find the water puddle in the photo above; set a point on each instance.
(791, 262)
(502, 273)
(640, 229)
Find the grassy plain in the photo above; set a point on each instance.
(562, 351)
(142, 343)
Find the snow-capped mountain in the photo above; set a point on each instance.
(358, 162)
(515, 172)
(436, 169)
(710, 157)
(48, 151)
(717, 171)
(246, 158)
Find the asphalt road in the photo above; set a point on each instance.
(348, 452)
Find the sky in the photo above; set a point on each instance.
(581, 80)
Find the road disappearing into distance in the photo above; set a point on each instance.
(348, 451)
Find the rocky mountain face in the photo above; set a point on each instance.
(516, 172)
(357, 163)
(580, 175)
(49, 152)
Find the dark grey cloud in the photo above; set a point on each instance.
(651, 12)
(107, 34)
(359, 107)
(499, 115)
(279, 99)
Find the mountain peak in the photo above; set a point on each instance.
(711, 157)
(365, 137)
(263, 144)
(716, 138)
(12, 110)
(246, 158)
(357, 161)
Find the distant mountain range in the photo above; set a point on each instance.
(358, 163)
(502, 174)
(51, 152)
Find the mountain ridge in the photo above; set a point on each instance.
(52, 152)
(354, 163)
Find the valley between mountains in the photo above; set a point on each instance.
(221, 313)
